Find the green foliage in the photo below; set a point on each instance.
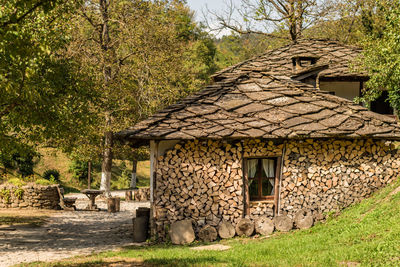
(234, 48)
(6, 195)
(42, 181)
(381, 56)
(22, 162)
(122, 176)
(158, 55)
(51, 174)
(16, 181)
(79, 169)
(40, 98)
(19, 193)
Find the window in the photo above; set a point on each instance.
(303, 62)
(261, 178)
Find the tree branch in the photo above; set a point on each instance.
(20, 18)
(240, 31)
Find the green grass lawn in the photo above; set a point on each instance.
(367, 233)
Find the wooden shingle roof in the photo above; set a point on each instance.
(259, 105)
(336, 57)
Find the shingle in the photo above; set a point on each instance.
(240, 105)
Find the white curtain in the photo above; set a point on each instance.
(269, 169)
(252, 165)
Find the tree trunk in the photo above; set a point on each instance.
(133, 177)
(108, 135)
(107, 163)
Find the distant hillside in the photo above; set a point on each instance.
(54, 159)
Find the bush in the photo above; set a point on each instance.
(79, 170)
(5, 194)
(44, 182)
(52, 174)
(16, 181)
(19, 193)
(23, 163)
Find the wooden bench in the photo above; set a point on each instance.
(66, 203)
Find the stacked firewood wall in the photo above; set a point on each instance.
(324, 176)
(203, 180)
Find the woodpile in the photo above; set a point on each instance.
(203, 180)
(325, 176)
(141, 194)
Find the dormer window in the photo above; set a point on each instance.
(303, 62)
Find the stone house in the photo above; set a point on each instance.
(268, 137)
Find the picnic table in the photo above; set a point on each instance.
(92, 194)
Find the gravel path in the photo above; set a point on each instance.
(69, 233)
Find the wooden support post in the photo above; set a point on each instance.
(246, 196)
(277, 184)
(89, 174)
(153, 184)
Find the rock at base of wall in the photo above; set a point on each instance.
(245, 227)
(283, 223)
(264, 226)
(303, 219)
(208, 233)
(181, 232)
(226, 230)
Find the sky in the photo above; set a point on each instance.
(199, 5)
(213, 5)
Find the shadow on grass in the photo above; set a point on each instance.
(181, 262)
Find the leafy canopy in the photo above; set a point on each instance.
(382, 54)
(40, 98)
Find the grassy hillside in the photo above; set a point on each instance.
(53, 159)
(366, 234)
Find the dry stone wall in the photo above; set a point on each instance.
(29, 196)
(203, 180)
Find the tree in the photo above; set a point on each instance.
(348, 22)
(235, 48)
(282, 19)
(137, 56)
(40, 98)
(381, 53)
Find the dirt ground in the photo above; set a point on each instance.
(63, 234)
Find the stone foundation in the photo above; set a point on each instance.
(203, 180)
(29, 196)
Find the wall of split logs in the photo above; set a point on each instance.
(203, 180)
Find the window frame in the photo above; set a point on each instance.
(270, 199)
